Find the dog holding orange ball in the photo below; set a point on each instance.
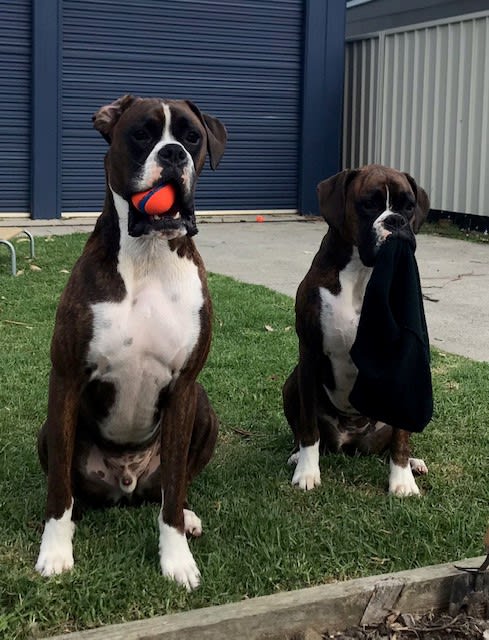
(127, 421)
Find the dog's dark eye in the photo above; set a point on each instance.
(141, 135)
(192, 137)
(409, 206)
(370, 205)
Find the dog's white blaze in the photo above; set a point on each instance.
(381, 233)
(56, 552)
(401, 480)
(141, 343)
(151, 170)
(306, 473)
(176, 559)
(339, 318)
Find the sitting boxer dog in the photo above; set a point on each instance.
(127, 420)
(363, 207)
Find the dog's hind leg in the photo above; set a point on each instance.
(290, 398)
(376, 440)
(418, 466)
(42, 447)
(204, 435)
(202, 447)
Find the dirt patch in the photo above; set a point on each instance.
(402, 626)
(432, 626)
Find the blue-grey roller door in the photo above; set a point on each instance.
(15, 78)
(240, 61)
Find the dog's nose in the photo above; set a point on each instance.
(173, 154)
(395, 222)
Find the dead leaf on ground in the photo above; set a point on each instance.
(452, 385)
(17, 323)
(242, 432)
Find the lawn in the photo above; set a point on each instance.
(261, 535)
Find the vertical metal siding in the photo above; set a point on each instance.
(360, 102)
(15, 105)
(432, 92)
(238, 61)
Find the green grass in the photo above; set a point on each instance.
(261, 534)
(447, 229)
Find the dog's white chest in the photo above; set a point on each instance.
(340, 315)
(141, 343)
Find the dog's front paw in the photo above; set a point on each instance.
(307, 474)
(56, 553)
(176, 559)
(50, 563)
(401, 481)
(192, 523)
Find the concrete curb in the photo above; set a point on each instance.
(333, 606)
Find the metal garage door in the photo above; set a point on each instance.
(15, 78)
(240, 61)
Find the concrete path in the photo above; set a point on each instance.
(454, 273)
(277, 254)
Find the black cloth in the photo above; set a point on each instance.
(391, 349)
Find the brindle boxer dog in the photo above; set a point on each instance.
(363, 207)
(127, 420)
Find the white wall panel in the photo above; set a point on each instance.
(417, 99)
(360, 103)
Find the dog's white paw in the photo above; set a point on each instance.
(307, 474)
(401, 481)
(192, 523)
(176, 559)
(418, 466)
(56, 552)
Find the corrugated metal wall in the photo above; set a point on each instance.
(15, 105)
(418, 100)
(240, 61)
(360, 102)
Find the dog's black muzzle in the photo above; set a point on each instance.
(398, 225)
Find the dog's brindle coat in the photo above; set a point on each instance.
(362, 207)
(126, 418)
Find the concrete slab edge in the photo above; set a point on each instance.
(335, 606)
(89, 221)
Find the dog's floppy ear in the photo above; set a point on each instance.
(106, 117)
(216, 134)
(422, 203)
(332, 197)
